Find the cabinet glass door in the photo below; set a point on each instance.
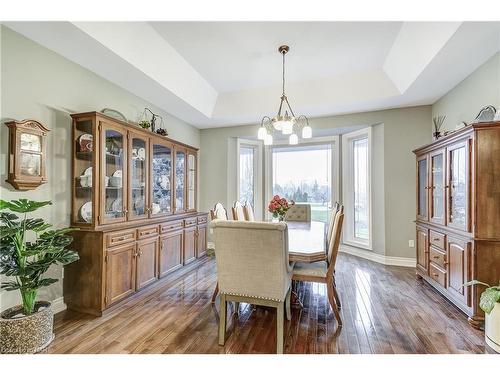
(180, 180)
(161, 179)
(191, 191)
(84, 208)
(458, 166)
(422, 188)
(114, 174)
(437, 188)
(138, 176)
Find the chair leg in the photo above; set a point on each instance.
(331, 299)
(216, 291)
(336, 294)
(222, 319)
(279, 328)
(287, 305)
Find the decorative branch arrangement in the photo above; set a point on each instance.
(438, 123)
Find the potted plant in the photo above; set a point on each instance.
(145, 124)
(490, 304)
(27, 249)
(278, 206)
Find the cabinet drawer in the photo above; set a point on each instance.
(146, 232)
(437, 256)
(437, 274)
(171, 226)
(190, 221)
(437, 239)
(121, 237)
(202, 219)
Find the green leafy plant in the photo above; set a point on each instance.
(489, 297)
(145, 124)
(25, 260)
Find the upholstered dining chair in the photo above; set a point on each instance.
(238, 212)
(324, 272)
(253, 267)
(248, 210)
(219, 212)
(299, 212)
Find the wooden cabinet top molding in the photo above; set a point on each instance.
(131, 126)
(459, 134)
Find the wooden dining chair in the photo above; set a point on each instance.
(238, 212)
(248, 211)
(333, 214)
(219, 212)
(324, 272)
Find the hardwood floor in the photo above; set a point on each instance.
(385, 309)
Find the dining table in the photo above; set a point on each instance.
(306, 241)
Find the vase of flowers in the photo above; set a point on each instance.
(278, 206)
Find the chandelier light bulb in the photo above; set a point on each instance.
(262, 133)
(268, 140)
(287, 127)
(294, 139)
(306, 132)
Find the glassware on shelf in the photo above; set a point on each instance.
(114, 165)
(180, 180)
(161, 169)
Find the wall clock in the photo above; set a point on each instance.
(27, 154)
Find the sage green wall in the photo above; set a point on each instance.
(464, 101)
(40, 84)
(393, 168)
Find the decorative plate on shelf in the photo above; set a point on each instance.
(85, 143)
(87, 172)
(86, 212)
(118, 173)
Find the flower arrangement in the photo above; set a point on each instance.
(278, 206)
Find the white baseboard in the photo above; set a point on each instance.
(58, 305)
(379, 258)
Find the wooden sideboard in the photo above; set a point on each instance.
(134, 202)
(458, 214)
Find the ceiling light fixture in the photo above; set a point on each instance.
(287, 123)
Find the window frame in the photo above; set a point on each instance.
(335, 164)
(257, 173)
(348, 140)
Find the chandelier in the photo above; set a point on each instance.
(287, 123)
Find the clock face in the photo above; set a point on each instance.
(30, 164)
(31, 142)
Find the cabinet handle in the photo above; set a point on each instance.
(436, 256)
(125, 211)
(435, 275)
(436, 239)
(445, 263)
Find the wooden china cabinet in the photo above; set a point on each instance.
(134, 202)
(458, 214)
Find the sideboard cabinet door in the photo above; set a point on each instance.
(423, 188)
(147, 252)
(120, 273)
(422, 250)
(170, 257)
(458, 258)
(189, 244)
(201, 241)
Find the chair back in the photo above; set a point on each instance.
(252, 259)
(238, 213)
(219, 212)
(248, 210)
(335, 211)
(334, 243)
(299, 212)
